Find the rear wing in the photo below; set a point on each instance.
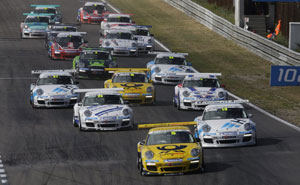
(107, 13)
(37, 72)
(222, 101)
(112, 70)
(38, 14)
(98, 90)
(44, 6)
(153, 125)
(161, 52)
(201, 74)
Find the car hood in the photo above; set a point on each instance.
(119, 42)
(202, 92)
(104, 111)
(172, 69)
(132, 87)
(225, 125)
(54, 90)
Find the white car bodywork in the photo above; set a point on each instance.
(225, 125)
(44, 93)
(169, 73)
(35, 29)
(121, 42)
(115, 19)
(197, 90)
(102, 116)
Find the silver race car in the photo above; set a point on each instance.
(197, 90)
(102, 109)
(53, 88)
(121, 42)
(169, 68)
(225, 125)
(56, 18)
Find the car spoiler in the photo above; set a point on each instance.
(160, 52)
(97, 49)
(201, 74)
(98, 90)
(37, 72)
(153, 125)
(44, 5)
(222, 102)
(70, 33)
(38, 14)
(112, 70)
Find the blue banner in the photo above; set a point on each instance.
(285, 76)
(276, 0)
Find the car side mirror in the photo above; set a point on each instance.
(79, 104)
(250, 115)
(189, 64)
(222, 85)
(135, 38)
(142, 143)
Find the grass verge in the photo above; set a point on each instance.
(244, 73)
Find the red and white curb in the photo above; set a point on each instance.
(3, 176)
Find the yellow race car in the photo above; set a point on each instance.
(137, 86)
(169, 150)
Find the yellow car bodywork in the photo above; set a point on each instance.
(133, 92)
(168, 158)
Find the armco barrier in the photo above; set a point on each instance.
(259, 45)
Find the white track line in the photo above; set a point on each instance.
(157, 41)
(236, 97)
(3, 176)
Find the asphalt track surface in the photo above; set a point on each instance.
(41, 146)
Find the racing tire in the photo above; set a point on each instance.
(138, 160)
(141, 168)
(74, 124)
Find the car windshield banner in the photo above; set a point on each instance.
(285, 76)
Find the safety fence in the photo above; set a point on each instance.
(259, 45)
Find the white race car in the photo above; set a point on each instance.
(53, 88)
(225, 125)
(169, 68)
(121, 42)
(197, 90)
(111, 19)
(145, 40)
(102, 109)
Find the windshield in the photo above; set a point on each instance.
(201, 83)
(65, 41)
(141, 78)
(55, 79)
(169, 137)
(37, 19)
(45, 10)
(170, 60)
(63, 28)
(102, 100)
(96, 56)
(141, 32)
(119, 35)
(119, 19)
(91, 9)
(224, 113)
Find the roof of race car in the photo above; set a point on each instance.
(95, 93)
(118, 15)
(42, 8)
(223, 105)
(178, 55)
(66, 34)
(125, 73)
(172, 128)
(94, 3)
(47, 74)
(200, 77)
(93, 50)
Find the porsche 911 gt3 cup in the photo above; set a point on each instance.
(225, 125)
(91, 12)
(53, 88)
(121, 42)
(56, 18)
(115, 19)
(145, 40)
(53, 31)
(102, 109)
(35, 25)
(169, 68)
(197, 90)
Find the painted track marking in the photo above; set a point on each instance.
(3, 176)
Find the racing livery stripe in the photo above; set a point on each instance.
(192, 88)
(108, 110)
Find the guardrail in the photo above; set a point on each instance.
(259, 45)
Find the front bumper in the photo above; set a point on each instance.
(197, 104)
(228, 141)
(125, 52)
(34, 34)
(92, 20)
(136, 98)
(65, 55)
(106, 125)
(90, 73)
(167, 79)
(145, 47)
(55, 102)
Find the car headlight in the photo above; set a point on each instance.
(126, 112)
(107, 43)
(186, 93)
(87, 113)
(49, 27)
(156, 69)
(221, 94)
(133, 44)
(206, 128)
(247, 126)
(149, 89)
(149, 154)
(39, 92)
(26, 26)
(195, 152)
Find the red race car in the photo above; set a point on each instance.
(92, 13)
(67, 45)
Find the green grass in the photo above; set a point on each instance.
(282, 40)
(244, 73)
